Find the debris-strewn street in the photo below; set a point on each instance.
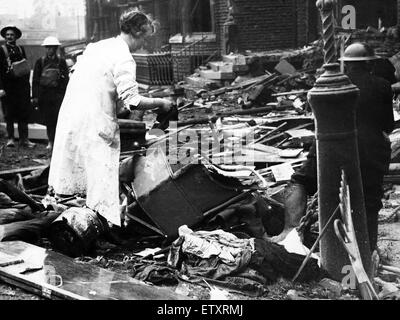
(220, 157)
(117, 257)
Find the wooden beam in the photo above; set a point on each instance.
(6, 174)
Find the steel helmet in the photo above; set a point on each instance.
(51, 41)
(359, 52)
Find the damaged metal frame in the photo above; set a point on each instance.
(192, 194)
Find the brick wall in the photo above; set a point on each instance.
(302, 15)
(265, 24)
(220, 16)
(184, 62)
(398, 12)
(261, 25)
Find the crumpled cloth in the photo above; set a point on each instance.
(221, 256)
(216, 255)
(30, 230)
(204, 244)
(156, 274)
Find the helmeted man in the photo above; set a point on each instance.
(86, 150)
(16, 103)
(50, 80)
(374, 121)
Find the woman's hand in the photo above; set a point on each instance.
(165, 106)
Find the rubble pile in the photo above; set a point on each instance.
(218, 165)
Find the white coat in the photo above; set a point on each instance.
(86, 150)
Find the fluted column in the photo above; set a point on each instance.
(328, 29)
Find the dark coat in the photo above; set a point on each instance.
(17, 100)
(375, 121)
(385, 69)
(43, 62)
(50, 99)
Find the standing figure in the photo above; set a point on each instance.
(15, 72)
(50, 80)
(374, 122)
(2, 94)
(86, 152)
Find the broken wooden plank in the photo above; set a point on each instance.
(392, 178)
(290, 153)
(7, 174)
(62, 278)
(269, 133)
(19, 196)
(289, 93)
(216, 116)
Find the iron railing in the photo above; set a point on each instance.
(167, 67)
(189, 58)
(154, 68)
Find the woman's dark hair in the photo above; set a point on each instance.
(136, 23)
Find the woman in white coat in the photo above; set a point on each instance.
(86, 151)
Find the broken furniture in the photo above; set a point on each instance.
(172, 197)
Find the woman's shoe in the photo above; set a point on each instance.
(27, 144)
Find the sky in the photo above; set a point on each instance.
(40, 18)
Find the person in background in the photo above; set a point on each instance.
(50, 80)
(86, 151)
(382, 67)
(374, 122)
(15, 73)
(2, 92)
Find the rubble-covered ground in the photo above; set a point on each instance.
(111, 257)
(15, 158)
(266, 90)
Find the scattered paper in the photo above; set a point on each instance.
(147, 252)
(293, 244)
(300, 133)
(282, 172)
(290, 153)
